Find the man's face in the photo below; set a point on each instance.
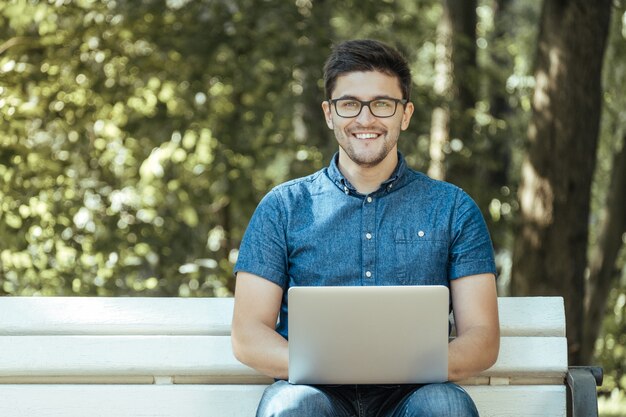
(366, 139)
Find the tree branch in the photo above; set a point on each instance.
(18, 40)
(602, 273)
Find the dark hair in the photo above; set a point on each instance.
(366, 55)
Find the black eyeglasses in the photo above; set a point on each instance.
(379, 107)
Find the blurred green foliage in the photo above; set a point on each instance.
(611, 345)
(137, 137)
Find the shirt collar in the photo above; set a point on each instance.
(396, 179)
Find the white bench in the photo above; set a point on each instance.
(172, 357)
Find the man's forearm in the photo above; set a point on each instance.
(476, 347)
(263, 349)
(472, 353)
(255, 340)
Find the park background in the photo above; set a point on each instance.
(137, 137)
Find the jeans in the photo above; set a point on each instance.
(430, 400)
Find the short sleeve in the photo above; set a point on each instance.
(471, 250)
(263, 250)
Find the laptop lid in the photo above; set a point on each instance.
(368, 335)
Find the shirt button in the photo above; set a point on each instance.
(369, 199)
(368, 236)
(345, 190)
(368, 274)
(420, 233)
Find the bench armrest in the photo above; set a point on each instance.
(581, 384)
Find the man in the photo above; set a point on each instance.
(367, 219)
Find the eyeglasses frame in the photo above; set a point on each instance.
(367, 103)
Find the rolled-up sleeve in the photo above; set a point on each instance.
(263, 250)
(471, 250)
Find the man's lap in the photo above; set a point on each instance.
(445, 400)
(286, 400)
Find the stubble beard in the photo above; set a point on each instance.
(364, 159)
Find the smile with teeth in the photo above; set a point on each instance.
(366, 135)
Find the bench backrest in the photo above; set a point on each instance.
(169, 341)
(144, 339)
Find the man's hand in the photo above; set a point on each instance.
(254, 338)
(476, 347)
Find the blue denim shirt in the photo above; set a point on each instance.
(318, 230)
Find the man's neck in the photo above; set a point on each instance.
(367, 179)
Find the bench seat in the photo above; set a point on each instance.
(67, 356)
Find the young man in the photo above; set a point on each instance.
(367, 219)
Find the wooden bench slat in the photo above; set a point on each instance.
(227, 400)
(519, 401)
(115, 316)
(530, 355)
(129, 400)
(119, 355)
(532, 316)
(519, 316)
(209, 357)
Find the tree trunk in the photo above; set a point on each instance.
(440, 120)
(455, 81)
(498, 146)
(550, 248)
(602, 262)
(314, 43)
(462, 15)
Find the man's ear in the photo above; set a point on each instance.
(328, 116)
(406, 116)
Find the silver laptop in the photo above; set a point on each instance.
(368, 335)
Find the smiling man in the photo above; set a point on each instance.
(367, 131)
(366, 219)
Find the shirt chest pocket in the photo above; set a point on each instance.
(421, 257)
